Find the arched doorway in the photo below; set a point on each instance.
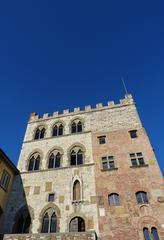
(23, 222)
(77, 224)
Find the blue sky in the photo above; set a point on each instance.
(62, 54)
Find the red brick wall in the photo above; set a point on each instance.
(126, 222)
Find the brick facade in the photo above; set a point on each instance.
(125, 221)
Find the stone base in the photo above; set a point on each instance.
(56, 236)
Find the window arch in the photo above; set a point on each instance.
(54, 159)
(49, 222)
(153, 236)
(114, 199)
(76, 126)
(146, 234)
(142, 197)
(154, 233)
(40, 133)
(76, 156)
(58, 130)
(34, 162)
(77, 224)
(76, 191)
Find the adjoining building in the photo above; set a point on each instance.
(87, 174)
(7, 174)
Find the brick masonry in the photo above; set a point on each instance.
(125, 221)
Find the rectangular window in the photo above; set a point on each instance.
(5, 179)
(108, 162)
(137, 159)
(51, 197)
(133, 133)
(101, 139)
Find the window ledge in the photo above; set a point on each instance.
(76, 202)
(109, 169)
(139, 166)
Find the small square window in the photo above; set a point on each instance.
(51, 197)
(102, 139)
(133, 133)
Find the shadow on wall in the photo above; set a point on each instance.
(17, 217)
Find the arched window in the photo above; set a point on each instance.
(57, 130)
(40, 133)
(146, 234)
(154, 234)
(76, 191)
(77, 224)
(54, 160)
(114, 199)
(142, 197)
(77, 156)
(76, 126)
(49, 223)
(23, 222)
(34, 162)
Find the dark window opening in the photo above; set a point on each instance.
(133, 133)
(142, 198)
(102, 139)
(51, 197)
(77, 224)
(114, 199)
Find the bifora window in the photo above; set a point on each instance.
(151, 236)
(137, 159)
(108, 162)
(34, 162)
(40, 133)
(49, 223)
(57, 130)
(5, 179)
(76, 126)
(114, 199)
(142, 197)
(54, 160)
(77, 156)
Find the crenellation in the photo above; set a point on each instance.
(99, 106)
(77, 109)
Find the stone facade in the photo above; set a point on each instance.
(32, 188)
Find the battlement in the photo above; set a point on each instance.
(77, 110)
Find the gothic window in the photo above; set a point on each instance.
(40, 133)
(23, 222)
(77, 156)
(34, 162)
(154, 234)
(137, 159)
(77, 224)
(108, 162)
(114, 199)
(49, 223)
(146, 234)
(54, 160)
(142, 197)
(76, 126)
(76, 191)
(57, 130)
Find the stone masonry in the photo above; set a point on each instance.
(124, 221)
